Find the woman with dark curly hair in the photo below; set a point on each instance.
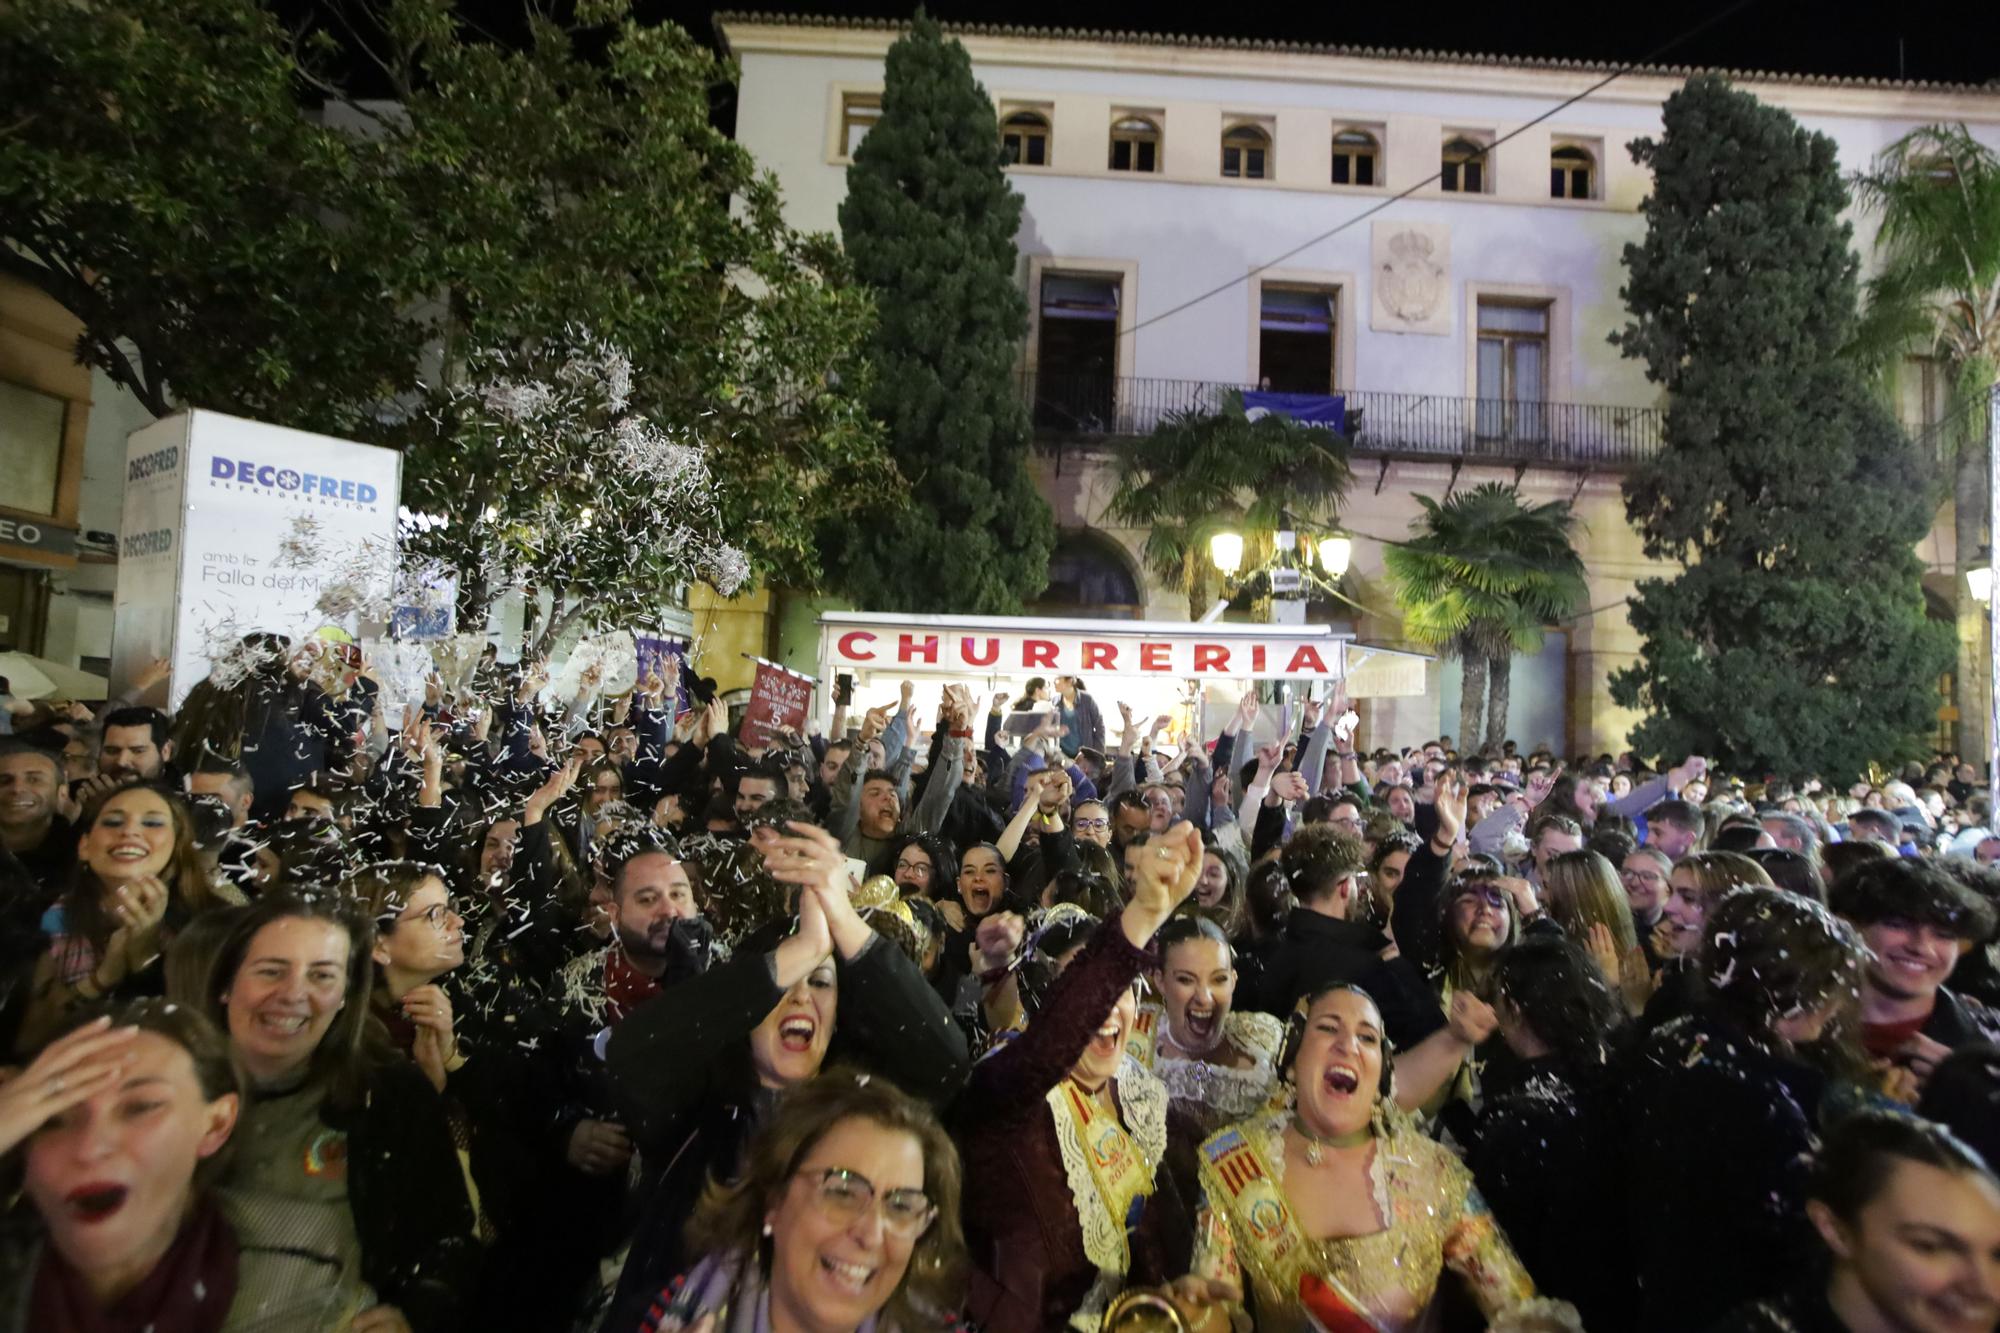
(845, 1216)
(1542, 1144)
(1724, 1109)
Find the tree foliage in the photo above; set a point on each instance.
(929, 223)
(1795, 640)
(1200, 472)
(236, 232)
(1481, 579)
(1937, 292)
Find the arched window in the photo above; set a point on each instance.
(1090, 574)
(1572, 173)
(1464, 167)
(1135, 144)
(1024, 139)
(1246, 152)
(1354, 153)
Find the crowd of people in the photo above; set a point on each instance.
(578, 1013)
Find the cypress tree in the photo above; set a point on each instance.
(929, 223)
(1795, 640)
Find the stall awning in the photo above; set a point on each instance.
(978, 646)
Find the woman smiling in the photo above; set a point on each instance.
(138, 881)
(345, 1166)
(845, 1218)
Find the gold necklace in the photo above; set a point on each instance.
(1352, 1139)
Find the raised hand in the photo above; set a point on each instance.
(1541, 784)
(1268, 756)
(997, 939)
(1691, 769)
(873, 723)
(152, 674)
(71, 1069)
(1289, 786)
(1167, 869)
(1452, 789)
(1311, 711)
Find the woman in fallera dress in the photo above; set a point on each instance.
(1336, 1213)
(1219, 1062)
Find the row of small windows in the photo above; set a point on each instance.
(1025, 137)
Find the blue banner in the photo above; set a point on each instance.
(1311, 409)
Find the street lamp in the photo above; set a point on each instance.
(1226, 549)
(1334, 555)
(1979, 582)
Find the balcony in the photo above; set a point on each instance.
(1073, 408)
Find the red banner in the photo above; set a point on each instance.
(779, 699)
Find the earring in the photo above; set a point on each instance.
(767, 1228)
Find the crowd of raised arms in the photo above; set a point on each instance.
(553, 1014)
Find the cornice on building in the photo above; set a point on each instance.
(1310, 62)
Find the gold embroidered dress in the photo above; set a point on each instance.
(1378, 1283)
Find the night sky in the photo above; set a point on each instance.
(1952, 41)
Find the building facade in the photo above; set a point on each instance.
(1202, 215)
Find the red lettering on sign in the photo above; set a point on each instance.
(850, 645)
(1211, 657)
(1037, 653)
(974, 659)
(1099, 656)
(908, 649)
(1257, 657)
(1153, 657)
(1306, 654)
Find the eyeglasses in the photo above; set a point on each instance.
(915, 869)
(1349, 822)
(1644, 876)
(433, 916)
(844, 1196)
(1092, 825)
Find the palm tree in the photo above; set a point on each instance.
(1480, 579)
(1938, 291)
(1200, 472)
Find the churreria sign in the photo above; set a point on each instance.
(244, 474)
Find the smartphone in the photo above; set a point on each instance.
(843, 688)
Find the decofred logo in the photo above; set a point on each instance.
(247, 474)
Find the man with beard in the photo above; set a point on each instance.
(659, 939)
(136, 745)
(1916, 921)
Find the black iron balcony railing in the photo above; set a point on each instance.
(1080, 406)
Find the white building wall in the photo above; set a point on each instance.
(1187, 230)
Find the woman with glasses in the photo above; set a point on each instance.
(920, 864)
(845, 1217)
(700, 1067)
